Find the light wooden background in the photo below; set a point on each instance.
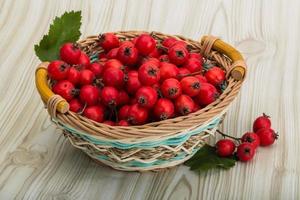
(36, 162)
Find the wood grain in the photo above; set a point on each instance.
(36, 162)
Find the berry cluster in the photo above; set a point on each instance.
(135, 81)
(262, 135)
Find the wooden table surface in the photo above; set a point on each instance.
(37, 162)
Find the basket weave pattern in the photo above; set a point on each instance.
(154, 145)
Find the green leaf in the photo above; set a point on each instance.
(206, 159)
(64, 29)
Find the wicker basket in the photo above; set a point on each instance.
(154, 145)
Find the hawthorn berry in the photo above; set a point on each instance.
(225, 147)
(267, 136)
(245, 151)
(262, 122)
(70, 53)
(58, 70)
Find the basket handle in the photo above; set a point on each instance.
(238, 68)
(46, 93)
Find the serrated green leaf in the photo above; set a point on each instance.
(64, 29)
(206, 159)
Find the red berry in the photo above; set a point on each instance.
(108, 41)
(225, 147)
(83, 59)
(58, 70)
(168, 70)
(110, 123)
(133, 83)
(190, 85)
(164, 58)
(133, 101)
(75, 105)
(197, 56)
(65, 89)
(193, 65)
(251, 138)
(169, 41)
(109, 96)
(171, 88)
(197, 107)
(178, 54)
(145, 44)
(181, 43)
(262, 122)
(86, 77)
(113, 77)
(149, 59)
(183, 72)
(149, 74)
(184, 104)
(163, 109)
(208, 94)
(267, 136)
(123, 98)
(122, 123)
(127, 54)
(113, 53)
(128, 43)
(156, 53)
(215, 76)
(96, 68)
(245, 151)
(156, 87)
(95, 113)
(133, 41)
(123, 112)
(73, 75)
(70, 53)
(137, 115)
(113, 63)
(201, 78)
(146, 97)
(102, 55)
(89, 94)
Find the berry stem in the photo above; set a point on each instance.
(225, 135)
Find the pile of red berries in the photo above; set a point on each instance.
(135, 81)
(262, 135)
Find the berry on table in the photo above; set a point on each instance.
(225, 147)
(267, 136)
(245, 151)
(262, 122)
(252, 138)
